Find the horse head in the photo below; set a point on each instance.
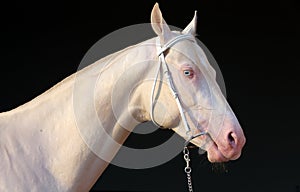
(187, 98)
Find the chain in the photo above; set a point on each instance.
(188, 169)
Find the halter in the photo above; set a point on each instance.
(162, 63)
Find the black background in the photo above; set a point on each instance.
(256, 46)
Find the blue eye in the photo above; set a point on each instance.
(188, 73)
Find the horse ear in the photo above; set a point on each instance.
(192, 27)
(159, 26)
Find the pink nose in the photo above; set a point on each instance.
(232, 143)
(232, 139)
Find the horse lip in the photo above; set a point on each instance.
(215, 154)
(223, 155)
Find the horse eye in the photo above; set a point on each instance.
(188, 73)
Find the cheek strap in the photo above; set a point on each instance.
(166, 72)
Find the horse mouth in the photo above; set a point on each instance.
(215, 155)
(215, 152)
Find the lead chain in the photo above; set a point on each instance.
(188, 169)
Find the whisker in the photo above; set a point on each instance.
(219, 168)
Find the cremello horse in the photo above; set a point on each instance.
(41, 148)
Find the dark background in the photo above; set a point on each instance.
(256, 46)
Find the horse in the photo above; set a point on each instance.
(54, 143)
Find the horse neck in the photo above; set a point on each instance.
(57, 126)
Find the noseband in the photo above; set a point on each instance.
(162, 63)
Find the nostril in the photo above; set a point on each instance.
(232, 139)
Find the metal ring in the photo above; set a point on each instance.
(186, 157)
(188, 169)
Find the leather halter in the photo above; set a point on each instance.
(162, 63)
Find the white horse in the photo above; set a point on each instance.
(42, 148)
